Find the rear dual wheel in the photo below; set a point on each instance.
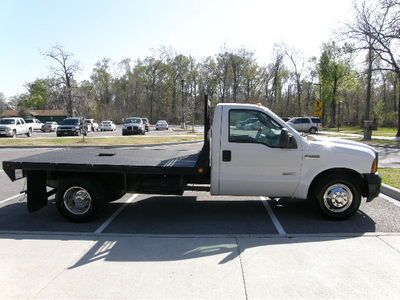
(80, 199)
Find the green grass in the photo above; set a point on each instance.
(390, 176)
(382, 131)
(100, 141)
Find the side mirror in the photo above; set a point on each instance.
(286, 139)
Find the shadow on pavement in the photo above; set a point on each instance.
(200, 221)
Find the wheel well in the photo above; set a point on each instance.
(357, 178)
(110, 181)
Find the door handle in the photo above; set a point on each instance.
(226, 155)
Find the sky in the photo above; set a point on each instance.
(118, 29)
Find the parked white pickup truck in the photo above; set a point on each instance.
(271, 159)
(14, 126)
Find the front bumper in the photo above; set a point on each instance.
(6, 133)
(67, 132)
(132, 130)
(372, 186)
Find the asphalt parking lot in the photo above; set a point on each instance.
(196, 246)
(173, 130)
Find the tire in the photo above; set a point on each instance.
(14, 133)
(29, 133)
(80, 199)
(313, 130)
(338, 196)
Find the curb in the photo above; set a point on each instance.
(390, 191)
(98, 146)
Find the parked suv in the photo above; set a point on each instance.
(306, 124)
(35, 124)
(71, 126)
(14, 126)
(133, 126)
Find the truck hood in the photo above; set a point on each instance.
(341, 153)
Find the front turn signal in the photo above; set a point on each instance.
(374, 167)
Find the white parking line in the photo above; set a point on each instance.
(391, 200)
(114, 215)
(274, 219)
(8, 199)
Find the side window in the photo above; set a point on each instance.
(315, 120)
(251, 126)
(306, 120)
(297, 121)
(18, 122)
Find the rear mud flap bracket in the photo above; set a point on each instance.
(36, 190)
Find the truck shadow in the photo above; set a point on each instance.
(180, 228)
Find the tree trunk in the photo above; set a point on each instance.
(398, 110)
(369, 80)
(333, 105)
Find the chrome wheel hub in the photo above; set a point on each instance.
(77, 200)
(338, 197)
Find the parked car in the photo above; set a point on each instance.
(35, 123)
(133, 126)
(49, 126)
(162, 125)
(107, 126)
(92, 125)
(72, 126)
(14, 126)
(146, 124)
(242, 124)
(306, 124)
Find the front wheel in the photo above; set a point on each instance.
(80, 199)
(338, 196)
(29, 133)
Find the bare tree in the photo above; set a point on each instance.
(378, 26)
(293, 56)
(65, 70)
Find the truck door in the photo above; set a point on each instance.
(252, 162)
(19, 127)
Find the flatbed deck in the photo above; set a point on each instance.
(169, 159)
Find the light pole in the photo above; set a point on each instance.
(338, 119)
(182, 106)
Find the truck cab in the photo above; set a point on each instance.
(275, 161)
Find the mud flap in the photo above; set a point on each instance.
(36, 190)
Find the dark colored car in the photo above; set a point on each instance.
(146, 124)
(71, 126)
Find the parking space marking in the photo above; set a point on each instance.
(391, 200)
(273, 217)
(114, 215)
(8, 199)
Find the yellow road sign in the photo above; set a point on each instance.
(318, 108)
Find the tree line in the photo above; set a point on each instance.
(357, 77)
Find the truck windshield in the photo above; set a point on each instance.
(7, 121)
(127, 121)
(70, 122)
